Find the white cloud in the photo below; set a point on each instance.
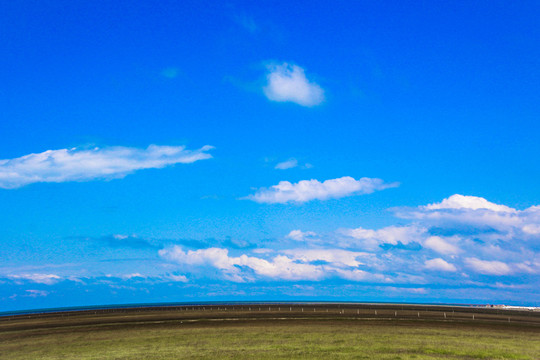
(307, 190)
(300, 235)
(293, 264)
(532, 229)
(531, 267)
(475, 212)
(47, 279)
(280, 267)
(358, 275)
(439, 265)
(441, 246)
(131, 276)
(467, 202)
(469, 238)
(283, 267)
(287, 82)
(97, 163)
(289, 164)
(488, 267)
(218, 257)
(389, 235)
(336, 257)
(263, 251)
(177, 278)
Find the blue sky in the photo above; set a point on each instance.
(353, 151)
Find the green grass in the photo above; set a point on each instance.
(300, 339)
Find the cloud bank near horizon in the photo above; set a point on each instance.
(439, 251)
(441, 246)
(76, 164)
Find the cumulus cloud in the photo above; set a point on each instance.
(280, 267)
(288, 164)
(287, 82)
(463, 228)
(439, 265)
(88, 164)
(488, 267)
(399, 253)
(467, 202)
(307, 190)
(477, 213)
(292, 264)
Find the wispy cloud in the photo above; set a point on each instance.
(393, 235)
(300, 235)
(288, 164)
(88, 164)
(177, 278)
(47, 279)
(36, 293)
(126, 241)
(288, 82)
(247, 22)
(307, 190)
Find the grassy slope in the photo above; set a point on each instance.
(286, 339)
